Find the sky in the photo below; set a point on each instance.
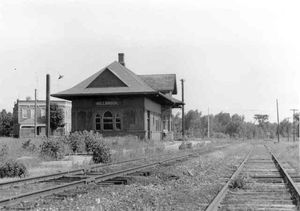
(236, 56)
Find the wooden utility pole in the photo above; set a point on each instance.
(288, 129)
(277, 120)
(208, 130)
(47, 105)
(294, 128)
(182, 95)
(35, 114)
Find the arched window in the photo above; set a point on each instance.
(108, 121)
(98, 122)
(118, 122)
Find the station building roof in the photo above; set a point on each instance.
(116, 79)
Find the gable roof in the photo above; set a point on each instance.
(161, 82)
(106, 79)
(123, 81)
(134, 84)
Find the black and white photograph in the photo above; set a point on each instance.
(150, 105)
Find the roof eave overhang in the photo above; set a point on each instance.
(172, 103)
(160, 95)
(70, 96)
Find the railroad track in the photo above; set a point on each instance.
(59, 182)
(260, 183)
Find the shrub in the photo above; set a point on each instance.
(75, 141)
(182, 146)
(83, 141)
(3, 152)
(101, 153)
(52, 148)
(12, 168)
(28, 145)
(90, 139)
(189, 145)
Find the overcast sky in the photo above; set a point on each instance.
(236, 56)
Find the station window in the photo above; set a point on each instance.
(108, 121)
(98, 122)
(118, 122)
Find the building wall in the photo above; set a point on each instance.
(132, 111)
(129, 109)
(167, 123)
(23, 113)
(154, 108)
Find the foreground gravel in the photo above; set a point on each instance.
(186, 185)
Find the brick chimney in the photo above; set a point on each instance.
(121, 59)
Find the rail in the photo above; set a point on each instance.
(89, 179)
(215, 203)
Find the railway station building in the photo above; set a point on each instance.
(116, 102)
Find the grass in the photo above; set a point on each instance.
(122, 148)
(287, 152)
(15, 149)
(130, 147)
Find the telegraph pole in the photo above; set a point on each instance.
(277, 120)
(182, 95)
(288, 129)
(35, 114)
(208, 131)
(294, 128)
(47, 105)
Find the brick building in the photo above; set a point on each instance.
(23, 114)
(115, 101)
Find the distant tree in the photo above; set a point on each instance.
(261, 118)
(220, 122)
(296, 116)
(235, 128)
(6, 123)
(56, 117)
(285, 127)
(192, 122)
(177, 124)
(28, 98)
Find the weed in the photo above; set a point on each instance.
(189, 145)
(238, 183)
(182, 146)
(90, 139)
(52, 148)
(75, 141)
(101, 153)
(3, 152)
(28, 145)
(12, 168)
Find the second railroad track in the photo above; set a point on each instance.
(260, 183)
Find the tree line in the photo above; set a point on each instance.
(225, 125)
(222, 125)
